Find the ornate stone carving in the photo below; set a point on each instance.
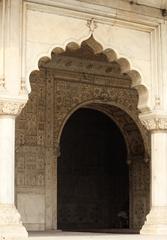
(30, 166)
(61, 86)
(154, 121)
(30, 138)
(11, 107)
(92, 25)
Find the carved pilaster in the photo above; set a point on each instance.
(10, 223)
(156, 223)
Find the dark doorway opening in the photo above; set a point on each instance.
(93, 175)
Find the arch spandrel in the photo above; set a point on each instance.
(91, 50)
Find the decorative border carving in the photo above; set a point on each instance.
(58, 89)
(154, 121)
(10, 107)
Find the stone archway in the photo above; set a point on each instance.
(81, 75)
(137, 142)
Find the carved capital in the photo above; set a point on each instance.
(154, 121)
(10, 107)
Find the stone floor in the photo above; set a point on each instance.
(90, 236)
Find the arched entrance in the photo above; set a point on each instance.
(93, 174)
(81, 76)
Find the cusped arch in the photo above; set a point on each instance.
(56, 93)
(91, 49)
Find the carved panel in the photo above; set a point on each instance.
(140, 192)
(30, 138)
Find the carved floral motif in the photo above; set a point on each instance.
(154, 122)
(11, 108)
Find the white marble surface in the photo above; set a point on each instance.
(132, 44)
(157, 218)
(159, 168)
(97, 236)
(152, 3)
(7, 135)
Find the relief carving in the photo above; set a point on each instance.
(11, 108)
(57, 90)
(154, 122)
(30, 138)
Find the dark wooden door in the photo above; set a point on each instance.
(93, 181)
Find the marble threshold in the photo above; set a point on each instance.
(59, 235)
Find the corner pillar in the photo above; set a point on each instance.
(156, 221)
(10, 222)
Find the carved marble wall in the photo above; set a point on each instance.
(71, 79)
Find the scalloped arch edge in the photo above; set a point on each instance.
(110, 56)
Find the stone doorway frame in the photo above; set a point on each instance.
(138, 164)
(59, 85)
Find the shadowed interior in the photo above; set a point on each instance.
(93, 176)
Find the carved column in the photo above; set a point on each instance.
(156, 222)
(10, 222)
